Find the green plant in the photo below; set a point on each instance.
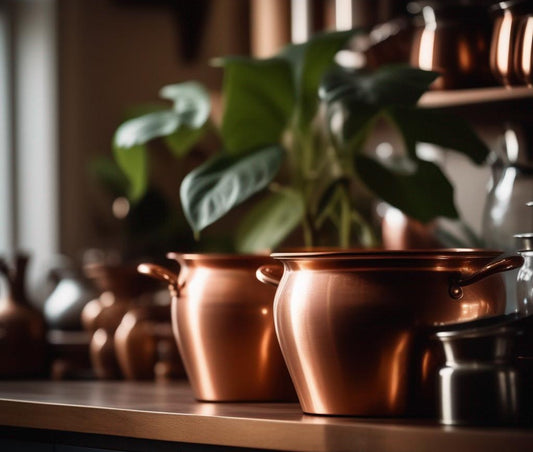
(274, 118)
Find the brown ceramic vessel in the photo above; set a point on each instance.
(22, 327)
(349, 323)
(222, 321)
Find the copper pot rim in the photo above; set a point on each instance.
(523, 7)
(379, 256)
(220, 259)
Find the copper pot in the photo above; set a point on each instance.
(454, 40)
(222, 321)
(121, 288)
(510, 51)
(144, 343)
(523, 50)
(349, 323)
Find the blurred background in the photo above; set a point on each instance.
(72, 70)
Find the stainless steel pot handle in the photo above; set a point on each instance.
(163, 274)
(269, 274)
(501, 263)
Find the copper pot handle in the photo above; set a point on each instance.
(163, 274)
(502, 263)
(269, 274)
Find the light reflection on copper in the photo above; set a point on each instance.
(504, 43)
(427, 43)
(298, 312)
(195, 301)
(426, 365)
(527, 50)
(397, 367)
(464, 55)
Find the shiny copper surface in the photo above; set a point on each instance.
(120, 286)
(524, 50)
(349, 323)
(223, 323)
(510, 51)
(144, 342)
(454, 40)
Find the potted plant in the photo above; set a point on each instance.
(281, 136)
(303, 147)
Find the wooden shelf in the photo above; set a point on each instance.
(459, 98)
(168, 412)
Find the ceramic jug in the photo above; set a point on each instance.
(22, 327)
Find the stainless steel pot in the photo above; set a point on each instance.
(349, 323)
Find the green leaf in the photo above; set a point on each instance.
(423, 193)
(182, 140)
(355, 125)
(259, 99)
(141, 130)
(389, 85)
(182, 126)
(439, 128)
(270, 221)
(191, 102)
(214, 188)
(134, 164)
(309, 62)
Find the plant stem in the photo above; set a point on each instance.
(345, 226)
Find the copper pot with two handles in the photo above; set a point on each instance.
(223, 324)
(352, 325)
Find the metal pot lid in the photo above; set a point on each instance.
(484, 327)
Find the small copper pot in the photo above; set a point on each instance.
(349, 323)
(510, 51)
(222, 321)
(454, 40)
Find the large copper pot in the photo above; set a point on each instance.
(222, 321)
(350, 323)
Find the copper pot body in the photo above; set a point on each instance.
(455, 41)
(144, 341)
(223, 323)
(350, 323)
(511, 45)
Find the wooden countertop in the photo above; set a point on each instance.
(169, 412)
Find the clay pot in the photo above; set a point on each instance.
(144, 344)
(22, 327)
(349, 323)
(222, 321)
